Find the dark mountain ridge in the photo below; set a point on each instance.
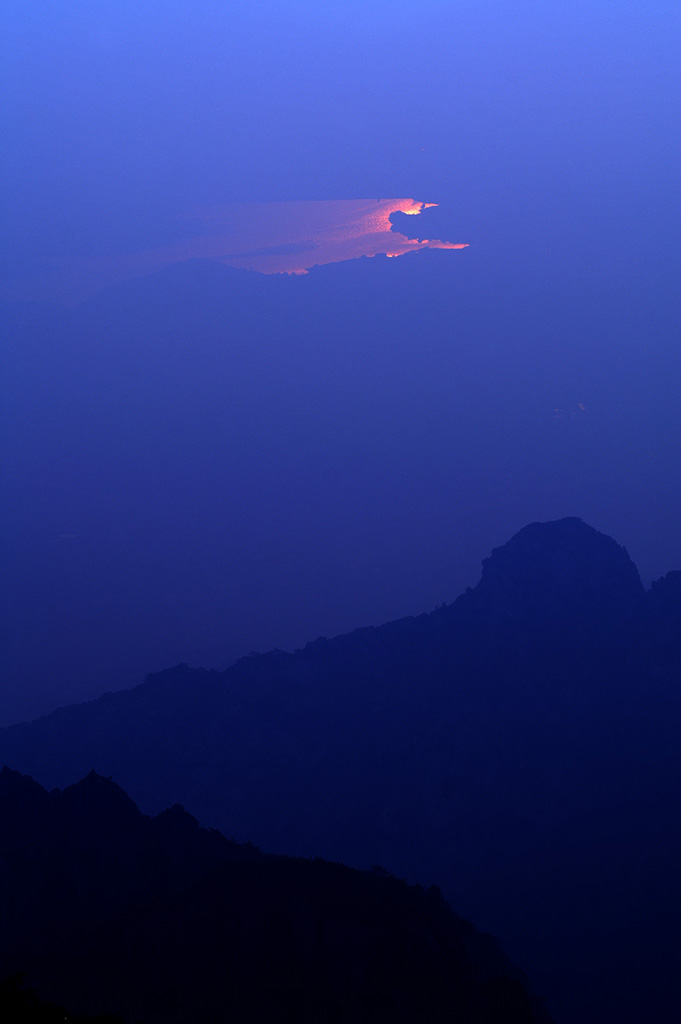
(158, 920)
(518, 746)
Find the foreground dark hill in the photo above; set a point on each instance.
(20, 1004)
(157, 920)
(518, 747)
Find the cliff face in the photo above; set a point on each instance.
(107, 910)
(518, 747)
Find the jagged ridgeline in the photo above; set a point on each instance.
(155, 919)
(518, 747)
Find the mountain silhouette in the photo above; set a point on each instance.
(108, 911)
(22, 1005)
(518, 747)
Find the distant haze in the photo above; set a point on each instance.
(196, 460)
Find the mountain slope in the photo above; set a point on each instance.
(157, 920)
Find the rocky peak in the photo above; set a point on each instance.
(560, 573)
(23, 804)
(101, 802)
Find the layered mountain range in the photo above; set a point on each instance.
(518, 747)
